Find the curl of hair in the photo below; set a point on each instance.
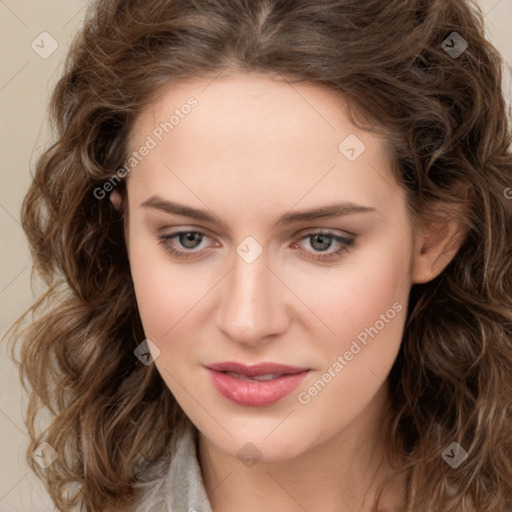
(449, 129)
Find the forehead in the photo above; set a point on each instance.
(249, 133)
(247, 107)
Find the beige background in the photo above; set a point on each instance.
(26, 80)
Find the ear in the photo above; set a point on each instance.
(436, 245)
(116, 199)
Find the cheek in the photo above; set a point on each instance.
(353, 297)
(366, 308)
(165, 291)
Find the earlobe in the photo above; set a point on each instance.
(434, 250)
(116, 199)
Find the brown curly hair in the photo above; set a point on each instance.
(112, 417)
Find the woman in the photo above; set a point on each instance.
(276, 239)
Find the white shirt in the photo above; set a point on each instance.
(181, 489)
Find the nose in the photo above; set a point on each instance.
(253, 307)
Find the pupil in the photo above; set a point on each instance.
(189, 238)
(324, 239)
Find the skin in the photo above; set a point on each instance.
(252, 150)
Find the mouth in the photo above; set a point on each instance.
(256, 370)
(268, 376)
(256, 385)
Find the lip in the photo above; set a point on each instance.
(255, 370)
(251, 392)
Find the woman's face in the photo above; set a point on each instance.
(255, 278)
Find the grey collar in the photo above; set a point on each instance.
(184, 486)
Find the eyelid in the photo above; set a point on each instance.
(298, 234)
(346, 243)
(334, 232)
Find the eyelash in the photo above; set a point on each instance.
(347, 244)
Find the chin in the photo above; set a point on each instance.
(262, 440)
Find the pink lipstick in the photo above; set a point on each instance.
(255, 385)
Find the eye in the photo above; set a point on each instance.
(189, 243)
(322, 241)
(189, 240)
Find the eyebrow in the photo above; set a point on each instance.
(339, 209)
